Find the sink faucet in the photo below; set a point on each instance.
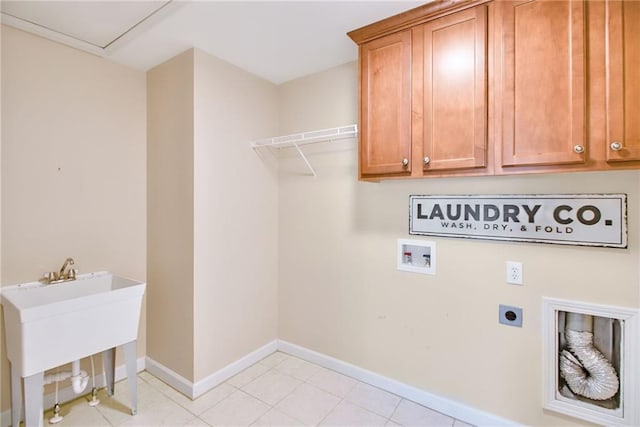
(63, 275)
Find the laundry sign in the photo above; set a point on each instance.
(568, 219)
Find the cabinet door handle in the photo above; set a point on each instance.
(405, 162)
(616, 146)
(426, 160)
(578, 149)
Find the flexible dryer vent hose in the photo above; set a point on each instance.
(585, 369)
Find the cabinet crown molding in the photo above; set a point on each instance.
(410, 18)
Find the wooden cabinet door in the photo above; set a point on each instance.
(623, 80)
(385, 105)
(543, 82)
(454, 95)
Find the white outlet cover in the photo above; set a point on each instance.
(514, 273)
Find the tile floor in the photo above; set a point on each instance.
(280, 390)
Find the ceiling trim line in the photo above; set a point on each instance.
(145, 23)
(50, 34)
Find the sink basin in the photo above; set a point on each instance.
(51, 325)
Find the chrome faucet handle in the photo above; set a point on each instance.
(49, 277)
(72, 274)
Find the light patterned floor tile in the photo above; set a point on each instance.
(274, 359)
(333, 382)
(373, 399)
(248, 375)
(276, 418)
(411, 414)
(149, 378)
(160, 386)
(117, 408)
(348, 414)
(308, 404)
(78, 413)
(239, 409)
(297, 368)
(196, 422)
(271, 387)
(167, 413)
(297, 403)
(196, 406)
(202, 403)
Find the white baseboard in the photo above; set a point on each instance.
(194, 390)
(206, 384)
(66, 394)
(446, 406)
(170, 377)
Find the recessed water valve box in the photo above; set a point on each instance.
(417, 256)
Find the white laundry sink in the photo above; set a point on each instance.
(50, 325)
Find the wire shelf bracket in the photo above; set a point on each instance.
(299, 139)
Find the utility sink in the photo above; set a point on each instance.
(49, 325)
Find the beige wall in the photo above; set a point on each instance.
(170, 165)
(4, 363)
(73, 164)
(212, 244)
(340, 292)
(236, 220)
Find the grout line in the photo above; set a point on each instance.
(333, 409)
(395, 409)
(343, 399)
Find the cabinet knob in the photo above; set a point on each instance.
(616, 146)
(578, 149)
(426, 160)
(405, 162)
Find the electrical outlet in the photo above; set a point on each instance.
(514, 272)
(509, 315)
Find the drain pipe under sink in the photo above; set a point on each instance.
(79, 379)
(585, 369)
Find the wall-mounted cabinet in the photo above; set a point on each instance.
(385, 109)
(623, 81)
(506, 87)
(450, 91)
(543, 83)
(423, 97)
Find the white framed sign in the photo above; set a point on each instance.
(567, 219)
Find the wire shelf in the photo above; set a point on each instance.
(298, 139)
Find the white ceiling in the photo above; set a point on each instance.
(277, 40)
